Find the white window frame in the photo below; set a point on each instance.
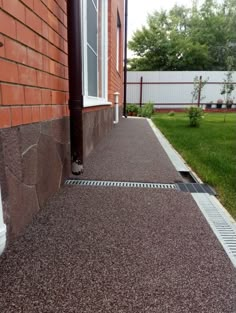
(89, 101)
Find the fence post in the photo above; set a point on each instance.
(141, 91)
(199, 91)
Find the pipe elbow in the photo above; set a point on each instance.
(3, 232)
(3, 228)
(77, 168)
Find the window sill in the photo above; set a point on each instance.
(93, 101)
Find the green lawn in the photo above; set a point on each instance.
(210, 150)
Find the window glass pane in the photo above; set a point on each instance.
(95, 52)
(92, 25)
(100, 50)
(118, 33)
(96, 3)
(92, 73)
(118, 48)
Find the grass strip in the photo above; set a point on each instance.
(210, 150)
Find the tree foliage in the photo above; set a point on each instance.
(200, 38)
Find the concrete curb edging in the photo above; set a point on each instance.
(221, 222)
(173, 155)
(176, 159)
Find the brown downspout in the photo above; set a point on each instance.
(125, 59)
(141, 92)
(74, 15)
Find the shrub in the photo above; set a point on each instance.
(171, 113)
(195, 116)
(139, 111)
(147, 110)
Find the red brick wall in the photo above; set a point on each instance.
(33, 61)
(115, 77)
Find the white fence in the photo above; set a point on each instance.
(174, 89)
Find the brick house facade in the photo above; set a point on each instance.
(34, 113)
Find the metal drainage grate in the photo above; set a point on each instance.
(196, 188)
(185, 187)
(221, 223)
(99, 183)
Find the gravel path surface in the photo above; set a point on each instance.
(130, 152)
(119, 250)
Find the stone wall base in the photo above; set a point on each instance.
(97, 125)
(34, 161)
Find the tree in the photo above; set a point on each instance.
(229, 11)
(186, 39)
(228, 85)
(198, 85)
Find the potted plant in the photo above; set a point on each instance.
(219, 103)
(132, 109)
(229, 103)
(128, 109)
(209, 104)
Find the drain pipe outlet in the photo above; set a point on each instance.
(3, 229)
(74, 28)
(116, 96)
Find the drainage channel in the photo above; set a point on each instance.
(185, 187)
(196, 188)
(100, 183)
(221, 223)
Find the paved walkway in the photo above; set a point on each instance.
(119, 250)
